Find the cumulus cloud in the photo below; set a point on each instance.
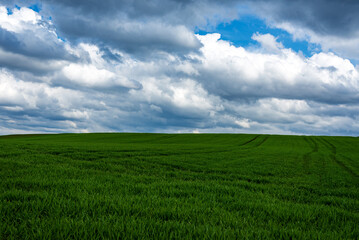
(20, 62)
(136, 27)
(334, 17)
(331, 24)
(343, 46)
(236, 73)
(25, 32)
(132, 36)
(131, 71)
(95, 71)
(268, 42)
(21, 100)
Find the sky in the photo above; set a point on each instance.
(180, 66)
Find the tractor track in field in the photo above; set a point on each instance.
(307, 157)
(333, 149)
(261, 142)
(253, 139)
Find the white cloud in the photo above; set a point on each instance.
(234, 72)
(76, 114)
(20, 20)
(268, 42)
(244, 123)
(26, 96)
(185, 98)
(94, 71)
(88, 75)
(347, 47)
(25, 32)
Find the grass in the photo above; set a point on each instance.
(178, 186)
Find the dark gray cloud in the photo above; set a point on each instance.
(138, 27)
(328, 17)
(33, 45)
(325, 17)
(133, 37)
(18, 62)
(331, 24)
(144, 9)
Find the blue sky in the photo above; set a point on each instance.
(239, 32)
(179, 66)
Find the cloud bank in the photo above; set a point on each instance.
(119, 66)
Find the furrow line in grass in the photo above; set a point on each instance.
(322, 173)
(249, 141)
(260, 143)
(348, 159)
(333, 149)
(307, 157)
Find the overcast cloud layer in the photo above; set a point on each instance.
(138, 66)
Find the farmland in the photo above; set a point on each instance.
(178, 186)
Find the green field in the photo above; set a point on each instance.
(178, 186)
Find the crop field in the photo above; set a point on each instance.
(178, 186)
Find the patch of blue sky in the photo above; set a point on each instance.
(239, 33)
(354, 62)
(60, 38)
(9, 11)
(36, 7)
